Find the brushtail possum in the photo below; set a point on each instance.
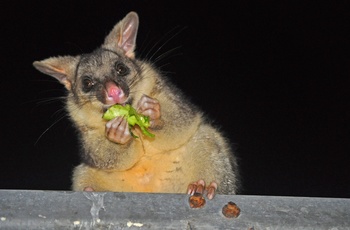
(187, 154)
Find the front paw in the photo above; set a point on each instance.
(117, 130)
(150, 107)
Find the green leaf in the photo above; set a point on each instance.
(116, 111)
(131, 115)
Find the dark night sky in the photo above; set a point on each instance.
(275, 76)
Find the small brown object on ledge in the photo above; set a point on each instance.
(231, 210)
(196, 201)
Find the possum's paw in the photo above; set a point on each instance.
(117, 130)
(150, 107)
(88, 189)
(199, 187)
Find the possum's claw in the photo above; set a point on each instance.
(211, 189)
(199, 187)
(196, 187)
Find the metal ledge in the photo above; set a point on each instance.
(85, 210)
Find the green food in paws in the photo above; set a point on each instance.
(131, 115)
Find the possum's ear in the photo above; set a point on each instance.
(61, 68)
(123, 35)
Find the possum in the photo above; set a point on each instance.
(187, 155)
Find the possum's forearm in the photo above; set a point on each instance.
(99, 152)
(178, 126)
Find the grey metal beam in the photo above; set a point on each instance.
(83, 210)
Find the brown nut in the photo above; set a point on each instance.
(231, 210)
(196, 201)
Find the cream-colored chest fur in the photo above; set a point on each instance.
(154, 172)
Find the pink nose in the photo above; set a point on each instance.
(114, 93)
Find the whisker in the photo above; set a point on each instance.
(166, 42)
(61, 110)
(135, 80)
(143, 49)
(42, 101)
(163, 72)
(42, 134)
(47, 101)
(166, 54)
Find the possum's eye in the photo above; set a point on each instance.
(87, 83)
(121, 69)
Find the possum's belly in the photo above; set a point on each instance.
(160, 173)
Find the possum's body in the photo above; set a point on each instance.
(186, 147)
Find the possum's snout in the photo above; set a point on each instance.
(114, 94)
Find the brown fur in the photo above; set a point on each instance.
(186, 147)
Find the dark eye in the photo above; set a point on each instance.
(87, 83)
(121, 69)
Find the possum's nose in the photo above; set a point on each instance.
(115, 95)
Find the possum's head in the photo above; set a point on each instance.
(104, 77)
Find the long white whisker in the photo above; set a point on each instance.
(166, 54)
(42, 134)
(177, 33)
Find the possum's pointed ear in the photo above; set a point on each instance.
(61, 68)
(123, 35)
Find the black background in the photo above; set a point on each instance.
(275, 76)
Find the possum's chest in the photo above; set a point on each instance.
(158, 173)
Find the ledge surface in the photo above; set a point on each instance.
(22, 209)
